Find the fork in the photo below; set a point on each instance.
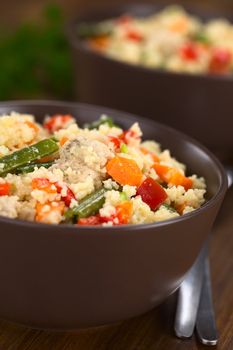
(195, 305)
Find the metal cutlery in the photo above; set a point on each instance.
(189, 297)
(205, 323)
(195, 306)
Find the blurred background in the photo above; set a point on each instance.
(34, 55)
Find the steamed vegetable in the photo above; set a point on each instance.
(88, 206)
(31, 167)
(124, 212)
(122, 216)
(87, 30)
(44, 212)
(57, 122)
(46, 185)
(5, 189)
(172, 176)
(102, 120)
(124, 171)
(152, 193)
(90, 221)
(26, 155)
(220, 61)
(68, 196)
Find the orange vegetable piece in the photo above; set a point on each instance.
(124, 212)
(172, 176)
(179, 26)
(180, 208)
(124, 171)
(99, 43)
(47, 158)
(43, 184)
(63, 140)
(32, 125)
(43, 212)
(153, 155)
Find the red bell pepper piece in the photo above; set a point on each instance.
(57, 122)
(116, 141)
(152, 193)
(69, 194)
(189, 52)
(5, 189)
(134, 35)
(127, 135)
(90, 221)
(220, 61)
(124, 19)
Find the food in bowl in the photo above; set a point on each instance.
(100, 174)
(171, 39)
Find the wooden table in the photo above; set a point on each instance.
(153, 330)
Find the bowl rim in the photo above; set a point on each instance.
(220, 171)
(80, 44)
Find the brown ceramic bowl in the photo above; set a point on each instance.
(199, 105)
(66, 277)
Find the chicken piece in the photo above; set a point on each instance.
(84, 158)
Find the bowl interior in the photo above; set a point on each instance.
(197, 158)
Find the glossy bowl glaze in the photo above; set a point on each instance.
(199, 105)
(67, 277)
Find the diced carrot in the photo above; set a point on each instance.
(180, 208)
(49, 213)
(178, 179)
(32, 125)
(124, 212)
(99, 43)
(172, 176)
(63, 140)
(152, 154)
(124, 171)
(163, 171)
(43, 184)
(179, 26)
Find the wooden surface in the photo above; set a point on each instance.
(152, 331)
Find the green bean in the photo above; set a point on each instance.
(92, 30)
(88, 206)
(27, 155)
(25, 169)
(201, 37)
(102, 120)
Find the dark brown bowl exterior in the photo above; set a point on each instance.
(67, 277)
(199, 105)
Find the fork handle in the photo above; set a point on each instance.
(205, 325)
(189, 297)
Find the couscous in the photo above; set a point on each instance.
(98, 174)
(170, 40)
